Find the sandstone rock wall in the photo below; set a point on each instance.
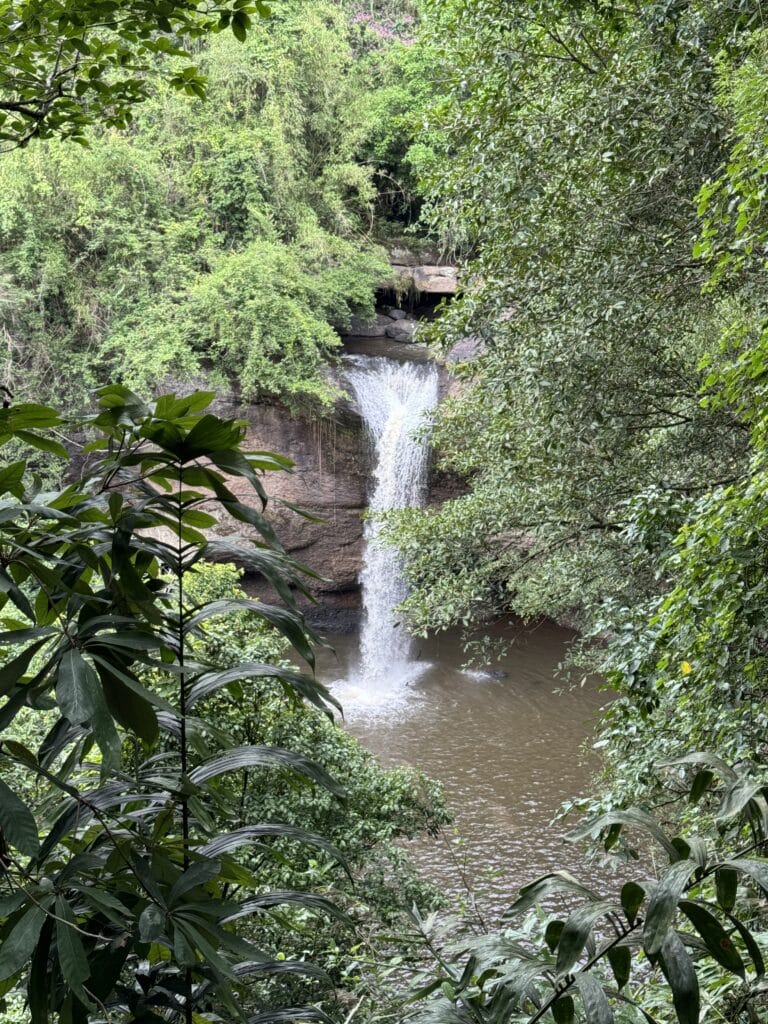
(329, 481)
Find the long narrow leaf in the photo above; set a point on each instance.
(264, 757)
(274, 830)
(596, 1006)
(309, 687)
(16, 950)
(663, 905)
(17, 822)
(680, 973)
(556, 881)
(717, 940)
(308, 901)
(576, 932)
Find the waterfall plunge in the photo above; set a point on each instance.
(394, 400)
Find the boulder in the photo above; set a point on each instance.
(397, 314)
(402, 256)
(402, 330)
(329, 480)
(375, 328)
(436, 280)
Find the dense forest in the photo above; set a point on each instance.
(197, 202)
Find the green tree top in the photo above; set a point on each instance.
(68, 64)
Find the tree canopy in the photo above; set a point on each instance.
(226, 240)
(69, 65)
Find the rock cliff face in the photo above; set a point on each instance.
(329, 482)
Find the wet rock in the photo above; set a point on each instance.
(401, 256)
(389, 348)
(402, 330)
(329, 480)
(396, 314)
(375, 328)
(428, 278)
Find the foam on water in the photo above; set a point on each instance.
(399, 699)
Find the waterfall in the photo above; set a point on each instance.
(395, 400)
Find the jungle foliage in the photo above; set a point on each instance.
(149, 838)
(605, 186)
(571, 144)
(602, 172)
(112, 895)
(685, 944)
(221, 241)
(69, 65)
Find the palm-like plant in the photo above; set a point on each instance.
(117, 900)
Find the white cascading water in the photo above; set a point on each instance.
(395, 401)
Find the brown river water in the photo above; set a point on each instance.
(509, 745)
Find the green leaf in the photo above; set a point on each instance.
(44, 444)
(127, 707)
(69, 946)
(239, 25)
(535, 892)
(131, 683)
(715, 937)
(11, 479)
(721, 767)
(106, 735)
(17, 822)
(210, 953)
(632, 896)
(752, 947)
(726, 884)
(678, 969)
(756, 869)
(7, 586)
(620, 959)
(21, 636)
(596, 1005)
(290, 1015)
(737, 797)
(662, 906)
(183, 949)
(26, 415)
(289, 624)
(213, 436)
(197, 874)
(232, 841)
(106, 966)
(13, 671)
(151, 923)
(307, 686)
(632, 816)
(77, 688)
(576, 932)
(700, 785)
(17, 948)
(39, 981)
(268, 757)
(564, 1010)
(301, 899)
(552, 934)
